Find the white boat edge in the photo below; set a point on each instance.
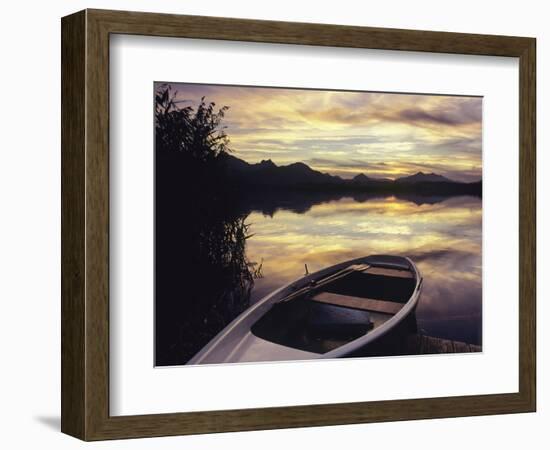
(252, 314)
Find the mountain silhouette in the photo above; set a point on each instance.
(268, 175)
(421, 177)
(364, 180)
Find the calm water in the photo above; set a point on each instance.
(442, 236)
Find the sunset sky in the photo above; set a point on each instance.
(347, 133)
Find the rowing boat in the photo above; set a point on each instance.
(333, 313)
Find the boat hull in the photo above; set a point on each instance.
(237, 344)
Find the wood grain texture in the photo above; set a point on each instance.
(73, 109)
(97, 225)
(398, 273)
(419, 344)
(201, 27)
(527, 225)
(85, 224)
(361, 303)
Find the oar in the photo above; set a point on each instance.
(335, 276)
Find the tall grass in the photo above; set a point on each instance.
(203, 278)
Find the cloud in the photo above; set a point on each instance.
(439, 117)
(337, 115)
(344, 133)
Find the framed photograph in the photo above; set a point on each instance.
(270, 224)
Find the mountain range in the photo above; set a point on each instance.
(299, 175)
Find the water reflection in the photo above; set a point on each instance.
(203, 278)
(212, 263)
(216, 234)
(443, 236)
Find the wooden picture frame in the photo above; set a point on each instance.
(85, 224)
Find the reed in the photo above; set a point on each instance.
(202, 276)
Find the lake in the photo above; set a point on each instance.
(213, 263)
(441, 235)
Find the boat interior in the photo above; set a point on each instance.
(337, 309)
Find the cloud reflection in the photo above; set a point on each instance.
(444, 239)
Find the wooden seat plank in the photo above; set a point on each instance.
(364, 304)
(389, 272)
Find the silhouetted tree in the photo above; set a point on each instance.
(197, 133)
(203, 278)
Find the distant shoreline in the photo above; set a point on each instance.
(444, 189)
(266, 175)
